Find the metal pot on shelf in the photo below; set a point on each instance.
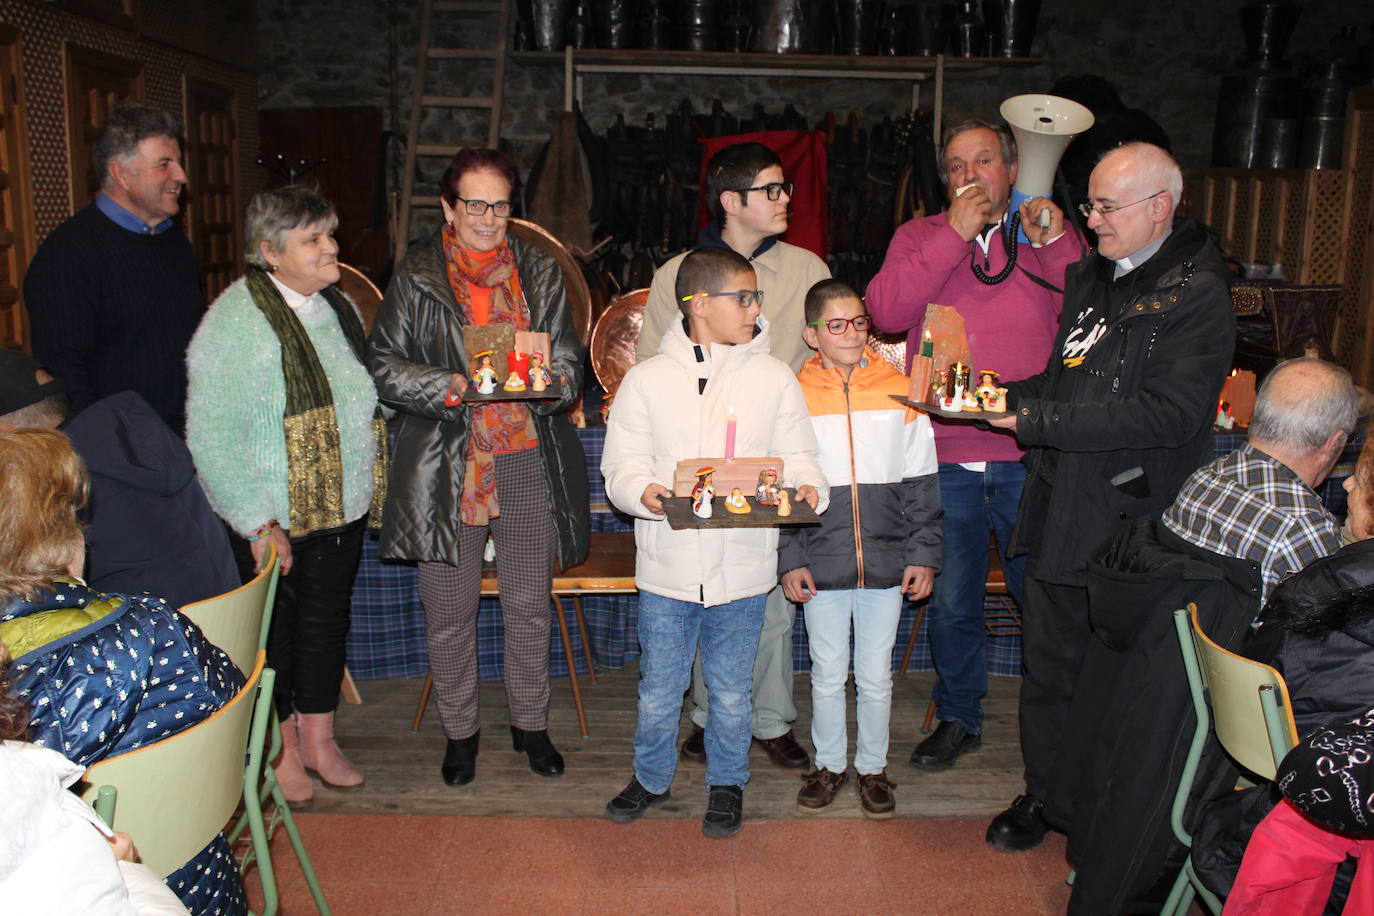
(1010, 26)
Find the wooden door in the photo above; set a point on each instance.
(96, 81)
(352, 176)
(212, 169)
(16, 217)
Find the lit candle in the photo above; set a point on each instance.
(927, 346)
(730, 423)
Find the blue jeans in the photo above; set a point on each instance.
(974, 503)
(669, 631)
(874, 613)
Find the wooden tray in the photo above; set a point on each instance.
(473, 396)
(679, 511)
(951, 414)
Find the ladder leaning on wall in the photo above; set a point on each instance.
(455, 12)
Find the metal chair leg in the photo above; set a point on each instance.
(572, 666)
(425, 689)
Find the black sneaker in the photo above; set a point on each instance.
(1020, 827)
(946, 744)
(632, 802)
(724, 811)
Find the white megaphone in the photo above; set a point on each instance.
(1043, 126)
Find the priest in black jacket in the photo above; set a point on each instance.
(1120, 417)
(112, 294)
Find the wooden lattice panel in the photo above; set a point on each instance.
(1293, 217)
(1324, 254)
(1353, 340)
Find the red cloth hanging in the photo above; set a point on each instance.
(804, 164)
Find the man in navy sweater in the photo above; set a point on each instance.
(113, 294)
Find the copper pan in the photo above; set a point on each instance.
(615, 336)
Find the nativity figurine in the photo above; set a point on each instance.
(767, 491)
(703, 492)
(484, 376)
(540, 377)
(736, 502)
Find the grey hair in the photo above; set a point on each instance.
(274, 213)
(1004, 137)
(1302, 403)
(1154, 168)
(129, 125)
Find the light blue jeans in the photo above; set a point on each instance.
(669, 631)
(874, 613)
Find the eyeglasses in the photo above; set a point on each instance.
(743, 297)
(838, 325)
(478, 207)
(1087, 207)
(774, 190)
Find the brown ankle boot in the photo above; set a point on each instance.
(291, 776)
(321, 755)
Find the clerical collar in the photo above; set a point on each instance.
(1136, 258)
(122, 217)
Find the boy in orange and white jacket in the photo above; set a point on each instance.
(879, 541)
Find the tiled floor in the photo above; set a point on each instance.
(423, 865)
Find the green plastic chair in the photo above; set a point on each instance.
(237, 621)
(174, 796)
(1252, 716)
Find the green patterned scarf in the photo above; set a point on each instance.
(313, 456)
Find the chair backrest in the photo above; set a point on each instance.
(174, 796)
(615, 336)
(1251, 711)
(574, 282)
(364, 292)
(238, 621)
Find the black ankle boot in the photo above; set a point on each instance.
(544, 757)
(460, 761)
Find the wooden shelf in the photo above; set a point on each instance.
(709, 63)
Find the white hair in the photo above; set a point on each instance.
(1152, 168)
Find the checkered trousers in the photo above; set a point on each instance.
(525, 543)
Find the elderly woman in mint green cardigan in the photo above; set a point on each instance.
(289, 441)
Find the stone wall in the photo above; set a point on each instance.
(1166, 59)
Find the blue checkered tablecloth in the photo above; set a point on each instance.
(387, 639)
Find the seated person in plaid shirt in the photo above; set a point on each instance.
(1258, 503)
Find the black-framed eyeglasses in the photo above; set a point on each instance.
(774, 189)
(840, 325)
(1087, 207)
(743, 297)
(478, 207)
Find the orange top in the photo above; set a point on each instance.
(481, 295)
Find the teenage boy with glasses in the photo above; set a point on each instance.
(705, 587)
(878, 544)
(748, 196)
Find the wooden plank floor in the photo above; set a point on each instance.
(402, 768)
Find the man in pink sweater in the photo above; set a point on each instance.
(955, 259)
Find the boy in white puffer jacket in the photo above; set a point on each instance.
(706, 584)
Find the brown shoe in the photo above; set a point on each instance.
(819, 789)
(875, 794)
(694, 748)
(784, 751)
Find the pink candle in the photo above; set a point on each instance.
(730, 423)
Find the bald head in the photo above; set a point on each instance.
(1139, 185)
(1303, 413)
